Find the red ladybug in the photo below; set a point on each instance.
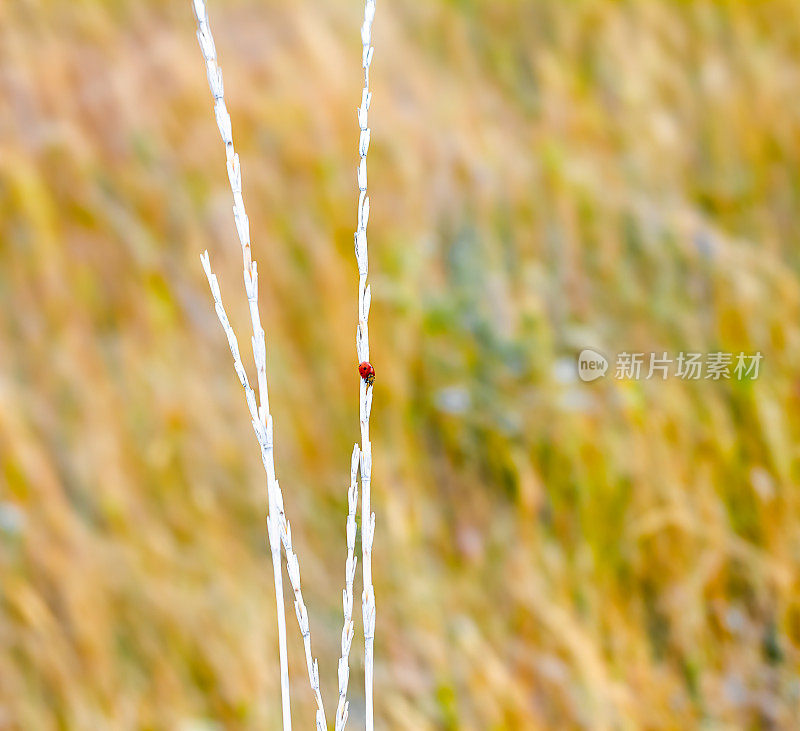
(367, 372)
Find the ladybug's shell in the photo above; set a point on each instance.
(366, 369)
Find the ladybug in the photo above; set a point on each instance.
(367, 372)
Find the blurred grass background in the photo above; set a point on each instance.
(545, 176)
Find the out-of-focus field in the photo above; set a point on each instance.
(544, 176)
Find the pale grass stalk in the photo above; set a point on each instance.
(264, 435)
(362, 349)
(347, 593)
(278, 527)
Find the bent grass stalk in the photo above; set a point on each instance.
(278, 527)
(264, 435)
(347, 593)
(362, 350)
